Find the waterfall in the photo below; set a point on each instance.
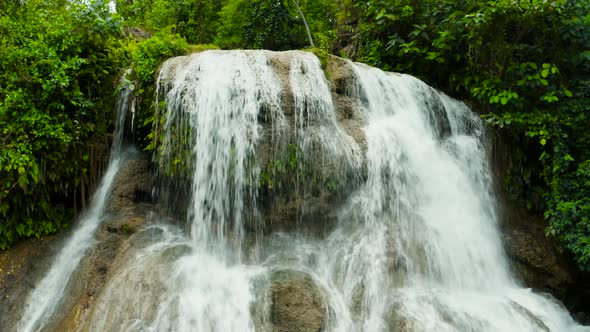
(414, 245)
(211, 109)
(47, 296)
(426, 224)
(417, 247)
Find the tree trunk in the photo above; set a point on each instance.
(304, 23)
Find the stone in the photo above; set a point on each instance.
(297, 304)
(537, 261)
(21, 268)
(132, 184)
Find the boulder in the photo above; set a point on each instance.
(133, 184)
(536, 260)
(21, 268)
(297, 304)
(96, 267)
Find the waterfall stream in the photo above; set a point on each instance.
(417, 247)
(47, 296)
(415, 244)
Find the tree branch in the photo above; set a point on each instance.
(304, 22)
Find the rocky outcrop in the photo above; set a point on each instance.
(536, 259)
(539, 264)
(21, 268)
(297, 304)
(128, 210)
(133, 184)
(303, 192)
(93, 273)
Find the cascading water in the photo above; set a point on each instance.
(318, 133)
(47, 296)
(211, 119)
(415, 246)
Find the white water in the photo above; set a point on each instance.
(212, 100)
(416, 247)
(318, 135)
(47, 296)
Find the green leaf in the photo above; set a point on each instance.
(543, 141)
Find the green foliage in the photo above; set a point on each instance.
(322, 55)
(146, 56)
(253, 24)
(267, 24)
(151, 52)
(282, 172)
(232, 20)
(195, 20)
(526, 64)
(53, 65)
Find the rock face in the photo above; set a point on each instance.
(25, 265)
(87, 282)
(305, 190)
(133, 184)
(535, 258)
(538, 263)
(128, 209)
(297, 304)
(21, 268)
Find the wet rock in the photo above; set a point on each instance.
(535, 258)
(306, 215)
(136, 282)
(297, 304)
(21, 267)
(304, 197)
(132, 185)
(541, 327)
(137, 33)
(95, 268)
(400, 323)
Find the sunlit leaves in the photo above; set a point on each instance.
(52, 60)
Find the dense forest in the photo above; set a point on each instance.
(524, 65)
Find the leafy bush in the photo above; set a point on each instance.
(195, 20)
(151, 52)
(52, 67)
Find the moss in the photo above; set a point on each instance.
(202, 47)
(323, 55)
